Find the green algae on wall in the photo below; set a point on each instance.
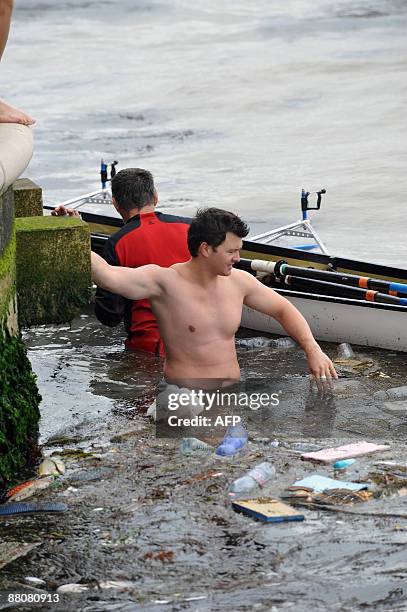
(27, 198)
(19, 397)
(53, 269)
(19, 407)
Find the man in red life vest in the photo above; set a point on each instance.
(147, 237)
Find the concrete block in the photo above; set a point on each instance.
(53, 269)
(27, 198)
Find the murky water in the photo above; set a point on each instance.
(237, 104)
(161, 522)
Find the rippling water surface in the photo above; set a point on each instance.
(231, 104)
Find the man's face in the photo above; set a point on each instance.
(226, 254)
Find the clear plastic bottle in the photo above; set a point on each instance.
(252, 482)
(253, 343)
(283, 343)
(192, 446)
(345, 351)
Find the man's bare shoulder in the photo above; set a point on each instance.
(243, 277)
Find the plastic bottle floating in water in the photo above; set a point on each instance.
(343, 464)
(253, 481)
(190, 446)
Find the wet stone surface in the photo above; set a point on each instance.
(148, 528)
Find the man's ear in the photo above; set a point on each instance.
(155, 201)
(115, 204)
(205, 249)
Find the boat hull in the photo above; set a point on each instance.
(340, 320)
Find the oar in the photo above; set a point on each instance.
(317, 286)
(326, 288)
(281, 269)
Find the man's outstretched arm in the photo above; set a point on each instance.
(265, 300)
(134, 284)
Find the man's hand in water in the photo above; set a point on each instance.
(321, 368)
(61, 211)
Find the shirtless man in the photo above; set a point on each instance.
(198, 304)
(9, 114)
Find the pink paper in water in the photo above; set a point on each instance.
(330, 455)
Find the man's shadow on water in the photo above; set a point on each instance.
(302, 410)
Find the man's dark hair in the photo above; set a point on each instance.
(211, 225)
(133, 188)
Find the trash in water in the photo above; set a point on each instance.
(116, 584)
(318, 483)
(358, 364)
(330, 455)
(203, 476)
(152, 411)
(234, 440)
(268, 510)
(253, 343)
(34, 581)
(190, 446)
(161, 555)
(31, 508)
(26, 489)
(283, 343)
(254, 480)
(343, 464)
(305, 447)
(345, 351)
(260, 342)
(275, 443)
(342, 496)
(51, 466)
(72, 588)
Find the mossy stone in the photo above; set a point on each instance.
(27, 198)
(53, 269)
(6, 218)
(19, 408)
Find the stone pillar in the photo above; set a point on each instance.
(53, 269)
(27, 198)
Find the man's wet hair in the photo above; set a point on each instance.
(133, 188)
(211, 225)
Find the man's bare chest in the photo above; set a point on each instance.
(196, 310)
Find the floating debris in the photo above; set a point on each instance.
(29, 488)
(318, 483)
(34, 581)
(330, 455)
(192, 446)
(345, 351)
(72, 588)
(268, 510)
(31, 508)
(161, 555)
(51, 466)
